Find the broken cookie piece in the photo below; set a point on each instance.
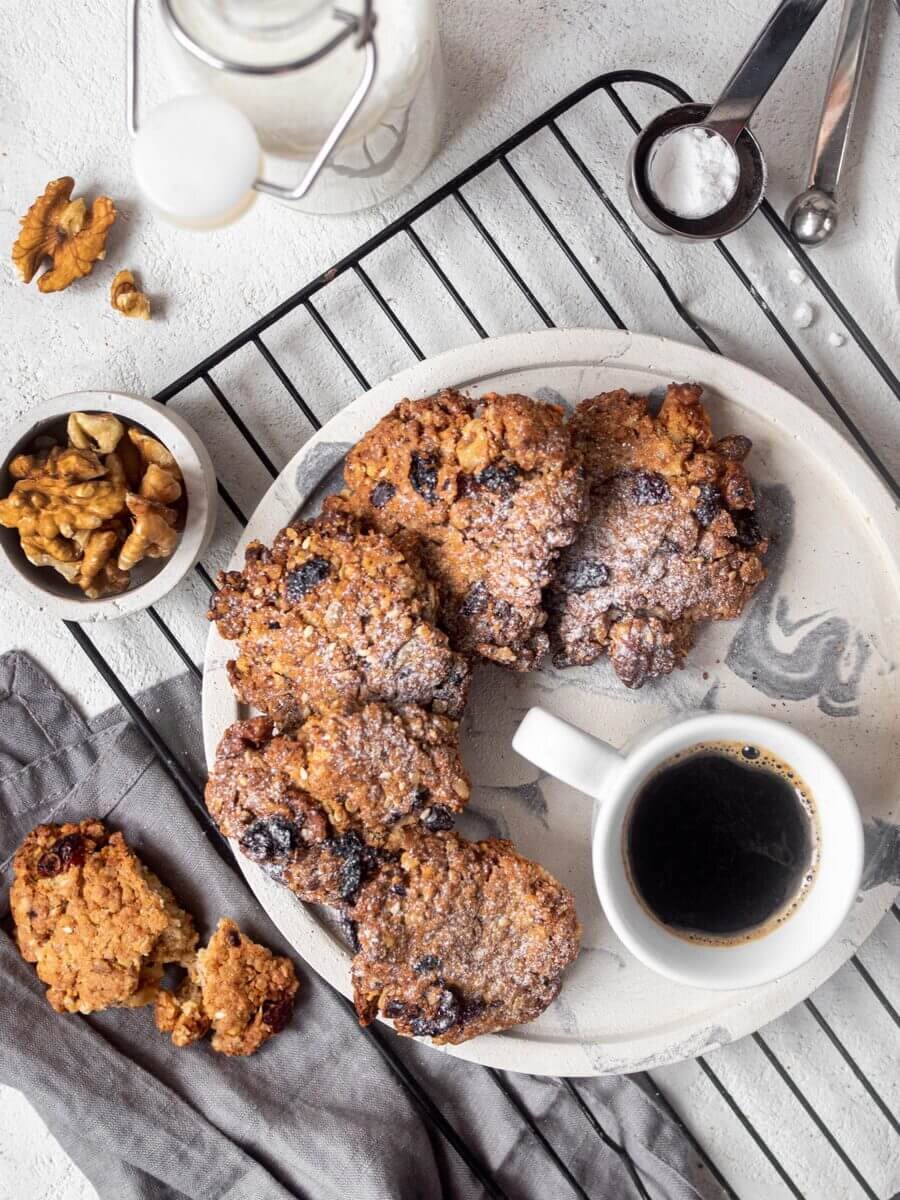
(237, 988)
(460, 938)
(274, 820)
(671, 539)
(99, 925)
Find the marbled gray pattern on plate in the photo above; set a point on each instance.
(484, 818)
(882, 854)
(813, 665)
(704, 1041)
(320, 474)
(551, 396)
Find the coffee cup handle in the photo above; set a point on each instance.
(566, 752)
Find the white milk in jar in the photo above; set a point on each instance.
(394, 135)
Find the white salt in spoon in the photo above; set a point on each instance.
(697, 172)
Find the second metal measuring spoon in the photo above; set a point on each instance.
(813, 215)
(728, 117)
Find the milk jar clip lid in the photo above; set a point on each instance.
(196, 158)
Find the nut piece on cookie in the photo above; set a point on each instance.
(671, 538)
(332, 617)
(488, 492)
(98, 925)
(315, 806)
(237, 988)
(460, 938)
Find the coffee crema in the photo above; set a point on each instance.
(721, 843)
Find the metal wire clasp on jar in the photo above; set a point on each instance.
(315, 89)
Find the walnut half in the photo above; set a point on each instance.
(65, 231)
(100, 432)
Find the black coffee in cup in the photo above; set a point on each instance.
(721, 843)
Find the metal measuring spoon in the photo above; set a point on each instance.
(728, 117)
(813, 215)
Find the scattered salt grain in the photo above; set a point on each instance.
(803, 315)
(835, 338)
(693, 172)
(796, 276)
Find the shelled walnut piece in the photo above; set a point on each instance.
(126, 297)
(64, 230)
(152, 535)
(96, 508)
(100, 432)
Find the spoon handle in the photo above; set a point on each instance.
(762, 64)
(840, 96)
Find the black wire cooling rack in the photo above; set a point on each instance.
(465, 269)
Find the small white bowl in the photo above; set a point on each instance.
(46, 590)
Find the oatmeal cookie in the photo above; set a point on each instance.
(487, 491)
(316, 805)
(239, 989)
(331, 617)
(671, 538)
(99, 926)
(460, 938)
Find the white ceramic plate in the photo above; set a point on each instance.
(817, 648)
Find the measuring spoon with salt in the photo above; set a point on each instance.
(696, 171)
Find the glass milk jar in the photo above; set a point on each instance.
(393, 136)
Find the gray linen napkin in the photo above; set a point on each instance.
(316, 1113)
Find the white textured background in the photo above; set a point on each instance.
(61, 112)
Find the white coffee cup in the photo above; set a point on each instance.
(613, 778)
